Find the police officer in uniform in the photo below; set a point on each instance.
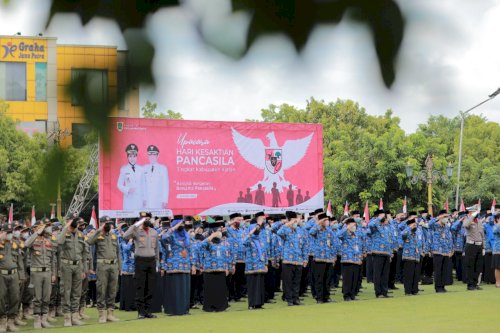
(146, 256)
(11, 268)
(108, 264)
(43, 271)
(155, 181)
(73, 270)
(131, 180)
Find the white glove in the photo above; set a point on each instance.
(484, 252)
(140, 222)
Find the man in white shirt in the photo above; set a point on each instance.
(131, 180)
(156, 181)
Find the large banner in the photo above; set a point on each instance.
(210, 168)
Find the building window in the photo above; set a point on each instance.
(41, 81)
(122, 88)
(13, 81)
(90, 85)
(79, 133)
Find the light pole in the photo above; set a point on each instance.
(462, 116)
(429, 176)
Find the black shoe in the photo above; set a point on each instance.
(329, 300)
(150, 316)
(319, 301)
(471, 288)
(393, 288)
(390, 292)
(141, 316)
(271, 301)
(297, 303)
(479, 288)
(353, 298)
(409, 294)
(290, 304)
(384, 296)
(347, 299)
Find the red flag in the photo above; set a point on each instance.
(346, 209)
(329, 212)
(93, 219)
(404, 206)
(462, 205)
(366, 214)
(446, 205)
(381, 204)
(53, 212)
(11, 214)
(493, 204)
(33, 217)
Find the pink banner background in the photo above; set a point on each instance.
(210, 162)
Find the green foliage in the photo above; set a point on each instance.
(150, 111)
(365, 156)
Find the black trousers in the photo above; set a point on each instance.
(411, 276)
(145, 279)
(441, 263)
(427, 269)
(399, 266)
(320, 278)
(473, 263)
(269, 281)
(236, 282)
(381, 265)
(369, 268)
(305, 278)
(458, 265)
(393, 269)
(277, 278)
(196, 289)
(350, 276)
(291, 282)
(488, 270)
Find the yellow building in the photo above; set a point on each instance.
(34, 73)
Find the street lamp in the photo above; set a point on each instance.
(462, 116)
(429, 176)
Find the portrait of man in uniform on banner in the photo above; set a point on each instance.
(131, 180)
(156, 183)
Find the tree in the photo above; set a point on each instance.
(20, 163)
(150, 111)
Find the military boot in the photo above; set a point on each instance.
(26, 313)
(75, 320)
(37, 323)
(111, 317)
(102, 317)
(59, 311)
(3, 325)
(11, 327)
(67, 320)
(18, 320)
(45, 323)
(52, 316)
(82, 314)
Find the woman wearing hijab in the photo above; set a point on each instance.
(176, 269)
(255, 266)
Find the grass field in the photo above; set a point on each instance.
(456, 311)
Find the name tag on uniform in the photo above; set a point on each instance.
(328, 242)
(356, 248)
(218, 253)
(132, 255)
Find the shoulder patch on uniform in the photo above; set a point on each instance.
(80, 234)
(113, 237)
(21, 245)
(54, 237)
(14, 246)
(86, 238)
(100, 237)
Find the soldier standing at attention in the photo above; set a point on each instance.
(11, 267)
(108, 264)
(73, 267)
(43, 271)
(146, 256)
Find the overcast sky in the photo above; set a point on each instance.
(449, 60)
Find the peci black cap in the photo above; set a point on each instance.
(132, 149)
(442, 212)
(290, 215)
(317, 211)
(322, 216)
(354, 212)
(234, 215)
(378, 211)
(153, 150)
(259, 214)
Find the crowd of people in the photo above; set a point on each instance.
(174, 264)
